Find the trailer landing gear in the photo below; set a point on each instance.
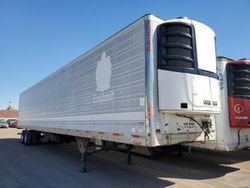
(129, 147)
(83, 144)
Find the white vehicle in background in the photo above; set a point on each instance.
(3, 124)
(152, 84)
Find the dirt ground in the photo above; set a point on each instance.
(57, 165)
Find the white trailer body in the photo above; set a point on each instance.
(226, 137)
(120, 92)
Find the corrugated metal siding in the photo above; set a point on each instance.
(73, 91)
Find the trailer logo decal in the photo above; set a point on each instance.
(103, 73)
(103, 77)
(238, 108)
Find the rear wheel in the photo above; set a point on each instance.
(34, 137)
(22, 136)
(27, 138)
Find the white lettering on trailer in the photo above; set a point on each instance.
(103, 97)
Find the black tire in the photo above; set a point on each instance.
(34, 137)
(27, 138)
(22, 136)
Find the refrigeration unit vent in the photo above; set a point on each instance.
(176, 46)
(239, 80)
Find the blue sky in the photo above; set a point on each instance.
(38, 37)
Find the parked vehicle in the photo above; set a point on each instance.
(13, 124)
(232, 128)
(9, 121)
(152, 84)
(3, 124)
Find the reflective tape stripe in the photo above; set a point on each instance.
(135, 136)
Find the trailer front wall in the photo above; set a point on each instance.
(102, 90)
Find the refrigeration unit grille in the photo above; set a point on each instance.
(239, 80)
(176, 47)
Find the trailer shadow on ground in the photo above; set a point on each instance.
(198, 165)
(58, 165)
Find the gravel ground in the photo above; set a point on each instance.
(57, 165)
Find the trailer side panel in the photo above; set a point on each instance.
(102, 91)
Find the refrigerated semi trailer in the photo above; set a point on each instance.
(232, 127)
(151, 84)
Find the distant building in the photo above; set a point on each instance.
(9, 113)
